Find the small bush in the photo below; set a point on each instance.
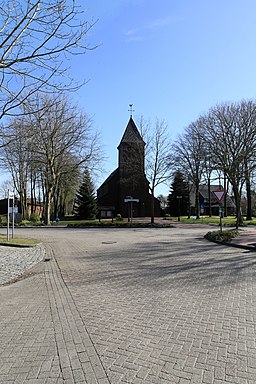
(34, 218)
(3, 219)
(119, 217)
(167, 216)
(25, 222)
(226, 235)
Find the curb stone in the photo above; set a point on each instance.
(234, 245)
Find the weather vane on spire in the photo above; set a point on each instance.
(131, 110)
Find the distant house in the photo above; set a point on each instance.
(4, 205)
(37, 208)
(16, 206)
(204, 201)
(128, 180)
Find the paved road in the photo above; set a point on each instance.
(131, 306)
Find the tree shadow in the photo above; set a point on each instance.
(168, 262)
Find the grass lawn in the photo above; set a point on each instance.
(17, 241)
(229, 221)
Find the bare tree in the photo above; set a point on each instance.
(231, 137)
(6, 185)
(158, 161)
(208, 170)
(47, 146)
(61, 133)
(66, 188)
(16, 145)
(189, 155)
(37, 36)
(247, 112)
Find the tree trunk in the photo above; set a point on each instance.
(23, 203)
(152, 207)
(47, 206)
(189, 205)
(248, 196)
(32, 209)
(42, 198)
(189, 211)
(209, 197)
(239, 217)
(197, 202)
(56, 203)
(225, 196)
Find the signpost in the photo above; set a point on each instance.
(219, 194)
(130, 200)
(10, 210)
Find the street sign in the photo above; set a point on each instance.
(219, 194)
(13, 209)
(131, 200)
(10, 195)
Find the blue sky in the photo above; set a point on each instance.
(172, 59)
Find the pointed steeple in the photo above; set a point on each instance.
(131, 134)
(131, 150)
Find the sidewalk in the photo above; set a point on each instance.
(43, 338)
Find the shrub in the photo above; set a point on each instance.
(226, 235)
(24, 222)
(3, 219)
(34, 218)
(119, 217)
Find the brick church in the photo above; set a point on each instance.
(128, 180)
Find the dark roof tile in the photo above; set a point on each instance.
(131, 133)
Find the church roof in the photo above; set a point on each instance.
(131, 133)
(110, 177)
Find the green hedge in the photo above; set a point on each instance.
(119, 225)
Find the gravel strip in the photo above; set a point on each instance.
(15, 261)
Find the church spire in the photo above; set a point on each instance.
(131, 110)
(131, 134)
(131, 151)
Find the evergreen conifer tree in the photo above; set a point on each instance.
(178, 199)
(85, 206)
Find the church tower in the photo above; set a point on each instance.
(131, 164)
(129, 179)
(131, 151)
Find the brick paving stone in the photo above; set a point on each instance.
(131, 306)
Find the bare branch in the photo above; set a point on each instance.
(36, 38)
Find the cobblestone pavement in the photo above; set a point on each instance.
(131, 306)
(15, 261)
